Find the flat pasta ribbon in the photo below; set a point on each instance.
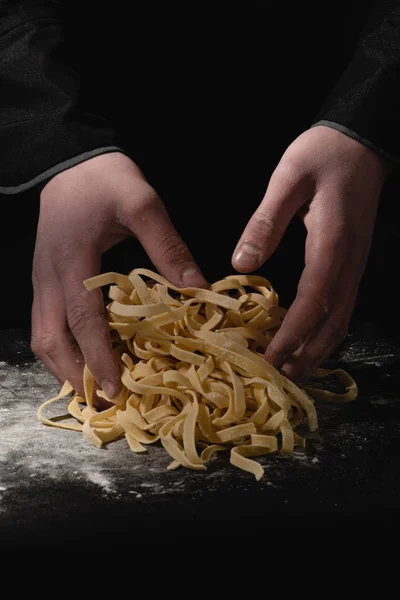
(193, 373)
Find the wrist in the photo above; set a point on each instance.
(383, 164)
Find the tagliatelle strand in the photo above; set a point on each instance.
(193, 373)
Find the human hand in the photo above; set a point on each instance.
(334, 183)
(84, 211)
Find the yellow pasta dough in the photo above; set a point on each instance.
(193, 373)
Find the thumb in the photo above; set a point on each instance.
(164, 246)
(287, 192)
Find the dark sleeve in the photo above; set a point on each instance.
(44, 125)
(365, 104)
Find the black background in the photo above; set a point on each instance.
(206, 103)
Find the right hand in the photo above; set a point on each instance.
(84, 211)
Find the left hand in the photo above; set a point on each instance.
(334, 183)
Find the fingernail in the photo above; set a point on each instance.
(109, 389)
(247, 257)
(276, 359)
(288, 371)
(191, 277)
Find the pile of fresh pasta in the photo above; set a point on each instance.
(193, 373)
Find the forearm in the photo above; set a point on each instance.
(365, 102)
(44, 126)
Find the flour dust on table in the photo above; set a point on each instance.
(30, 452)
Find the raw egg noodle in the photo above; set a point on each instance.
(193, 373)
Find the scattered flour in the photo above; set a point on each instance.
(300, 455)
(359, 351)
(31, 452)
(98, 478)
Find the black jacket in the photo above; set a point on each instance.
(77, 80)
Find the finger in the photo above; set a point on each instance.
(61, 346)
(165, 247)
(56, 342)
(287, 192)
(313, 302)
(320, 345)
(86, 319)
(35, 341)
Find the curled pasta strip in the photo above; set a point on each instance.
(193, 373)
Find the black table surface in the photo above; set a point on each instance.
(55, 488)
